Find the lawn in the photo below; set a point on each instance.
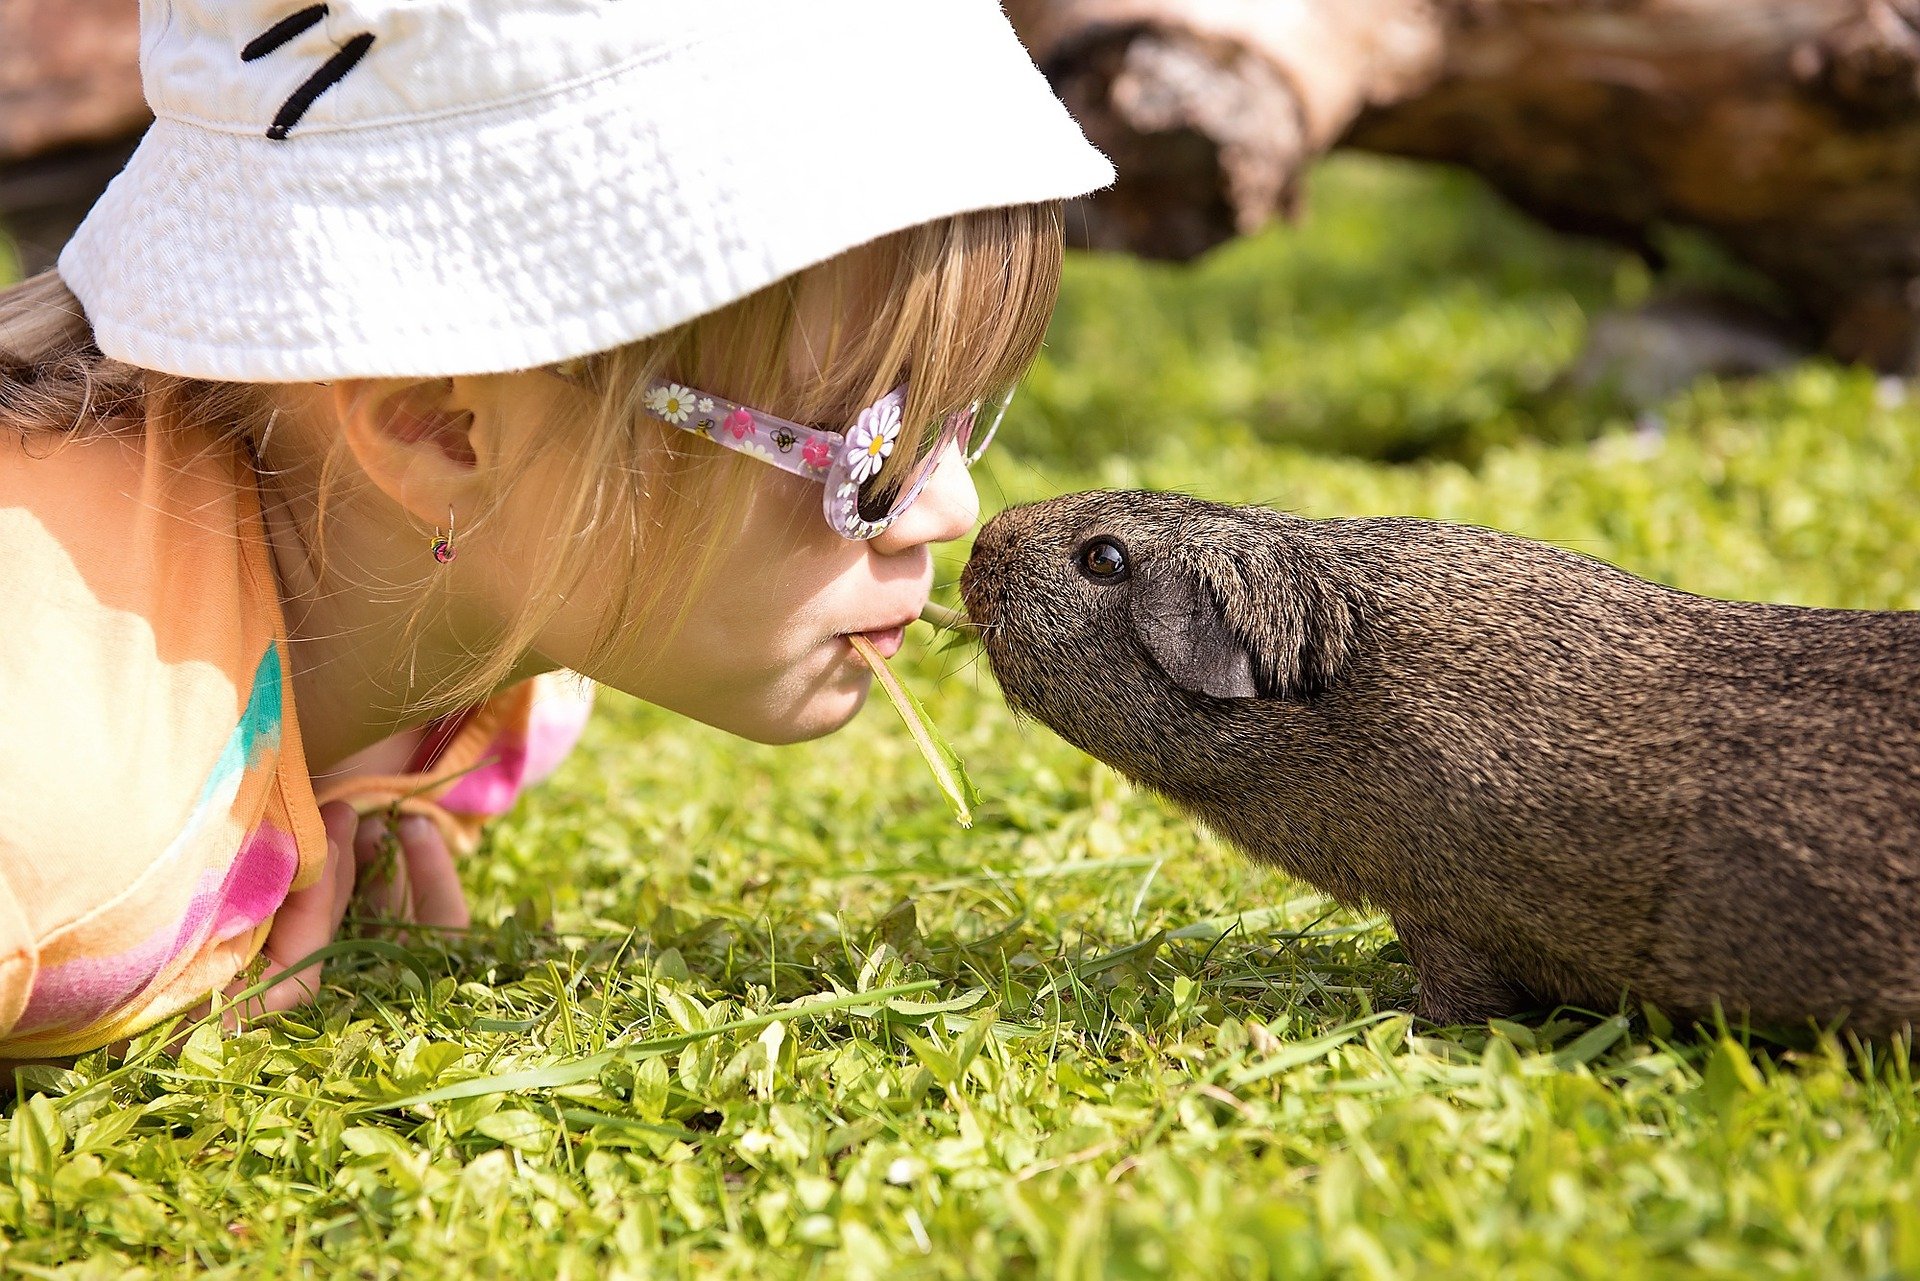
(738, 1011)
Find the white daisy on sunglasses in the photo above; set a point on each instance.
(871, 440)
(673, 403)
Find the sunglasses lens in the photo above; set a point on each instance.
(986, 416)
(891, 490)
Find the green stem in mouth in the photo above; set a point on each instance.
(942, 617)
(948, 772)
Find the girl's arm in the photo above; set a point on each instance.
(466, 768)
(397, 813)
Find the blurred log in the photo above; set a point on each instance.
(70, 108)
(1211, 109)
(1788, 129)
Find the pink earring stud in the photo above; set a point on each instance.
(443, 544)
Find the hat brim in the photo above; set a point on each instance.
(528, 233)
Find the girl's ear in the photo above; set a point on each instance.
(422, 442)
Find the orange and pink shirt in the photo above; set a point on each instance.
(155, 806)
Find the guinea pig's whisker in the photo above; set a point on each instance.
(972, 664)
(961, 666)
(965, 634)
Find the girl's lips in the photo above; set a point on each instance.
(886, 640)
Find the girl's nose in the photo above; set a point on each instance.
(945, 510)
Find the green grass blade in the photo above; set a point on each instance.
(948, 772)
(574, 1071)
(942, 617)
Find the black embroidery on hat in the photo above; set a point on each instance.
(330, 73)
(282, 31)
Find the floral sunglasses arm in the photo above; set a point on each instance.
(790, 446)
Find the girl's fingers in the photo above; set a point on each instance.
(380, 872)
(408, 873)
(309, 918)
(367, 842)
(431, 877)
(405, 871)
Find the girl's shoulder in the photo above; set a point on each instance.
(145, 828)
(136, 641)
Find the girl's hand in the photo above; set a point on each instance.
(404, 871)
(307, 921)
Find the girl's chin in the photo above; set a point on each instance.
(834, 713)
(825, 712)
(809, 699)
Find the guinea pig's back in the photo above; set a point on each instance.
(1705, 781)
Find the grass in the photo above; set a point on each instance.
(735, 1011)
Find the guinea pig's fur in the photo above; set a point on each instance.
(1560, 781)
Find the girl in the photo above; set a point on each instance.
(424, 353)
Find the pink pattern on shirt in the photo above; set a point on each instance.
(87, 989)
(516, 761)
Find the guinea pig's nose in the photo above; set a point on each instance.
(991, 549)
(993, 538)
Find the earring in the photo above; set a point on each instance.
(443, 546)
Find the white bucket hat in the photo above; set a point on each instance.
(429, 187)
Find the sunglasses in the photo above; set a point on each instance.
(858, 504)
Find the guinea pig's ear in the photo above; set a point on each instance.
(1276, 626)
(1182, 624)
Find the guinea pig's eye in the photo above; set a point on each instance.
(1104, 560)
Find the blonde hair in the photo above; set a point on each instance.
(955, 308)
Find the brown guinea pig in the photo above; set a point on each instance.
(1560, 781)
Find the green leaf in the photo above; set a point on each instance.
(1249, 922)
(1592, 1043)
(918, 1010)
(107, 1130)
(899, 928)
(517, 1128)
(1730, 1075)
(39, 1137)
(1300, 1053)
(203, 1052)
(945, 763)
(373, 1140)
(588, 1119)
(973, 1041)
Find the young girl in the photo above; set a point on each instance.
(425, 353)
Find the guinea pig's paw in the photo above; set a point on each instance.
(1458, 983)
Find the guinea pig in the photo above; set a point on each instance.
(1561, 782)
